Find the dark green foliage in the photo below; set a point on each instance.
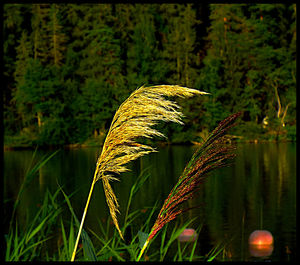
(249, 54)
(67, 67)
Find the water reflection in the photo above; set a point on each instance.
(257, 192)
(261, 251)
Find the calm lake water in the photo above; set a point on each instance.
(257, 192)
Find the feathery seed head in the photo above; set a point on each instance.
(135, 118)
(212, 154)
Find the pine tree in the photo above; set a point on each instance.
(143, 55)
(248, 51)
(14, 29)
(57, 38)
(275, 59)
(100, 65)
(39, 33)
(179, 46)
(24, 53)
(180, 53)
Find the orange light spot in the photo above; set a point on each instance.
(261, 237)
(225, 19)
(187, 235)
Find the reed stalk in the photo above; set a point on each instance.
(212, 154)
(82, 220)
(135, 118)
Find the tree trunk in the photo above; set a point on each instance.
(39, 119)
(284, 114)
(54, 38)
(278, 99)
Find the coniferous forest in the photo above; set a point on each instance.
(68, 67)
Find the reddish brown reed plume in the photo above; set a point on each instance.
(213, 153)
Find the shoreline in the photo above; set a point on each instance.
(160, 144)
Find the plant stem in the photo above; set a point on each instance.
(82, 220)
(142, 250)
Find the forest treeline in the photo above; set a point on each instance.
(67, 67)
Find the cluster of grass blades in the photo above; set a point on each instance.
(31, 243)
(25, 244)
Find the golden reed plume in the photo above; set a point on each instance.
(135, 118)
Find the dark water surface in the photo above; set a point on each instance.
(257, 192)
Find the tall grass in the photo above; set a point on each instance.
(24, 244)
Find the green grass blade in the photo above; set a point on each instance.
(64, 238)
(195, 243)
(179, 251)
(163, 237)
(106, 245)
(69, 205)
(36, 230)
(103, 230)
(16, 243)
(28, 178)
(134, 189)
(8, 239)
(71, 240)
(174, 235)
(193, 250)
(33, 245)
(214, 252)
(39, 165)
(88, 247)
